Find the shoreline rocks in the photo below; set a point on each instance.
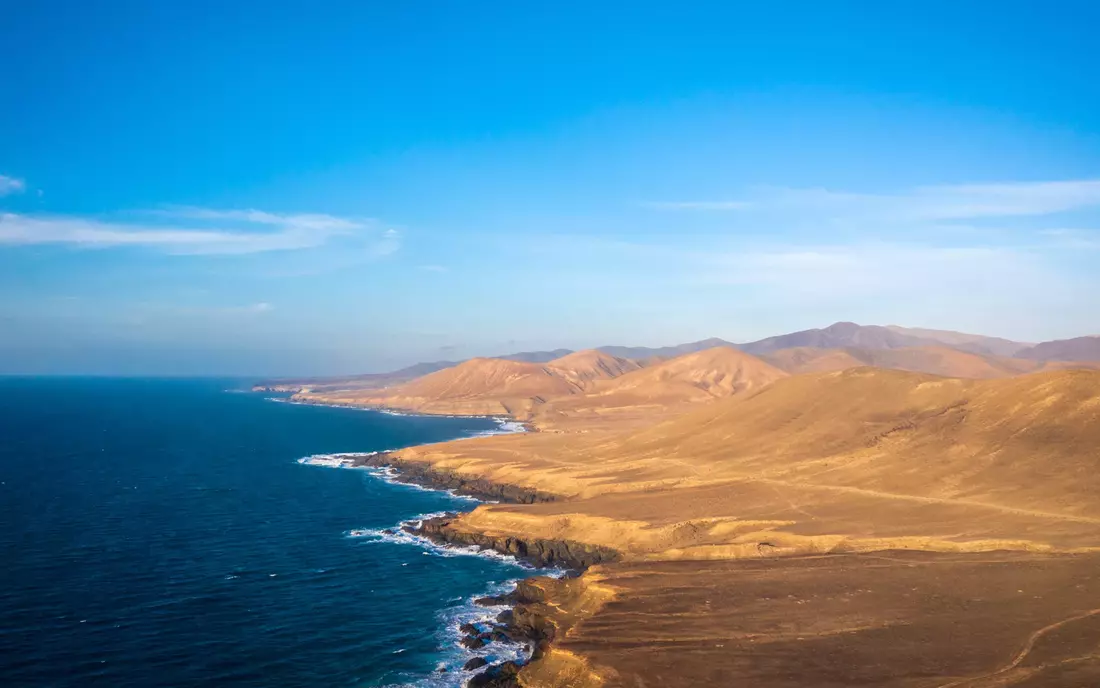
(427, 476)
(522, 624)
(539, 552)
(525, 623)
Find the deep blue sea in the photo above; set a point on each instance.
(162, 533)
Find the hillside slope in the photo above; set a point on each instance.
(975, 343)
(489, 386)
(480, 386)
(584, 368)
(861, 459)
(662, 389)
(936, 360)
(1076, 349)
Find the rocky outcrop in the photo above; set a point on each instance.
(528, 621)
(539, 552)
(424, 474)
(524, 624)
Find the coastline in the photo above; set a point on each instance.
(518, 619)
(508, 425)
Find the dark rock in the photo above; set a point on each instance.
(498, 676)
(424, 474)
(473, 642)
(475, 663)
(540, 552)
(469, 629)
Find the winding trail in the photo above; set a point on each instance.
(1028, 646)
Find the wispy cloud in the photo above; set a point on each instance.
(11, 185)
(433, 268)
(200, 231)
(699, 205)
(926, 203)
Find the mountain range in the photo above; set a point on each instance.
(842, 344)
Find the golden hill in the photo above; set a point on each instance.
(663, 388)
(480, 386)
(864, 458)
(937, 360)
(571, 390)
(767, 538)
(583, 368)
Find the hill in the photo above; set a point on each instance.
(860, 459)
(584, 368)
(975, 343)
(772, 537)
(1076, 349)
(645, 352)
(536, 356)
(489, 386)
(712, 373)
(936, 360)
(479, 386)
(667, 387)
(363, 381)
(838, 336)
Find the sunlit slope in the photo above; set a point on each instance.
(492, 386)
(661, 390)
(860, 459)
(480, 386)
(936, 360)
(585, 368)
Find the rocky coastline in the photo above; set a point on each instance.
(565, 554)
(526, 621)
(424, 475)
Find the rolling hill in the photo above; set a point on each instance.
(1076, 349)
(860, 527)
(665, 388)
(974, 343)
(936, 360)
(489, 386)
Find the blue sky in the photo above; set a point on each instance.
(326, 187)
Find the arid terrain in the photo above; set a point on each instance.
(809, 516)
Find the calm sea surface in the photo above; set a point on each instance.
(162, 533)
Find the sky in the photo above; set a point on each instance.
(292, 188)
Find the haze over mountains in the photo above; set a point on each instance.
(838, 346)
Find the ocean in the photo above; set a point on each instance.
(164, 533)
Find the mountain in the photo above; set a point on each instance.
(479, 386)
(716, 372)
(649, 394)
(841, 517)
(936, 360)
(645, 352)
(489, 386)
(536, 356)
(1026, 442)
(838, 336)
(584, 368)
(1076, 349)
(363, 381)
(974, 343)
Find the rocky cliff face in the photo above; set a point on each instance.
(537, 551)
(426, 475)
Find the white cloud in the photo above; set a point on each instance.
(699, 205)
(11, 185)
(199, 231)
(927, 203)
